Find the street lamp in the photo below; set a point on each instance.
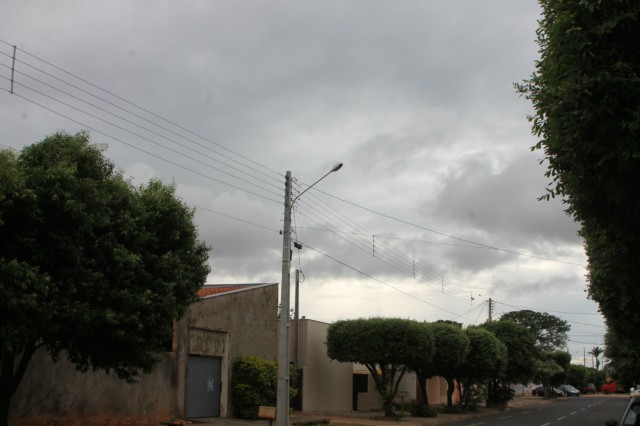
(282, 406)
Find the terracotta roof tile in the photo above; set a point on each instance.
(213, 289)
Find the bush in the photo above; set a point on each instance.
(254, 382)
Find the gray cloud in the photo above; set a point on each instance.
(415, 98)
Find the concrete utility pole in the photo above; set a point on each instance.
(296, 321)
(282, 405)
(282, 395)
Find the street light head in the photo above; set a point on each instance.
(337, 167)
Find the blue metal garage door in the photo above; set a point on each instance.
(203, 386)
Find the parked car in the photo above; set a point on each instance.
(590, 388)
(539, 391)
(569, 390)
(631, 413)
(634, 391)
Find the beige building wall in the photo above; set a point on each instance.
(408, 389)
(327, 385)
(227, 325)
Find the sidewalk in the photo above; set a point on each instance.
(375, 418)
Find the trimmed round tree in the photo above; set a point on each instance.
(385, 346)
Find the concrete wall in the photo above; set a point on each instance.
(372, 401)
(51, 393)
(326, 384)
(227, 325)
(245, 320)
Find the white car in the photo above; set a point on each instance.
(634, 391)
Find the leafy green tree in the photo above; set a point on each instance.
(486, 359)
(624, 356)
(552, 370)
(451, 346)
(521, 349)
(585, 92)
(549, 331)
(385, 346)
(91, 267)
(563, 360)
(578, 376)
(546, 370)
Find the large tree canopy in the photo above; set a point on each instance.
(521, 350)
(485, 360)
(586, 94)
(385, 346)
(450, 350)
(549, 331)
(625, 359)
(89, 264)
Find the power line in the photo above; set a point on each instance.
(546, 310)
(392, 255)
(474, 243)
(384, 283)
(101, 119)
(569, 321)
(137, 125)
(142, 150)
(139, 107)
(146, 139)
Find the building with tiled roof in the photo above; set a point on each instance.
(213, 289)
(191, 379)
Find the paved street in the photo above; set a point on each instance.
(525, 411)
(583, 411)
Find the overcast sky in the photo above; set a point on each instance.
(435, 210)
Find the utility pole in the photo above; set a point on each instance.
(490, 310)
(282, 406)
(296, 321)
(282, 394)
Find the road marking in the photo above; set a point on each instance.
(575, 412)
(504, 418)
(525, 412)
(546, 424)
(477, 424)
(561, 418)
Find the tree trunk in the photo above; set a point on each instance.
(11, 376)
(6, 387)
(388, 408)
(450, 388)
(465, 392)
(422, 381)
(5, 400)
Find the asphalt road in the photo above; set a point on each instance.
(580, 411)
